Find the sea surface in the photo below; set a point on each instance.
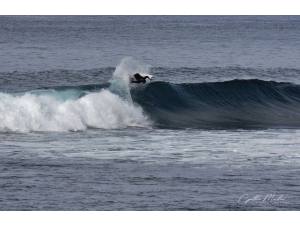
(218, 128)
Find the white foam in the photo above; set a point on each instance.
(50, 110)
(30, 112)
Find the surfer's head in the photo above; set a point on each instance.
(138, 76)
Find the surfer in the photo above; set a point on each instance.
(138, 78)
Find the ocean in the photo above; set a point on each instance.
(218, 127)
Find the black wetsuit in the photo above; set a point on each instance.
(138, 78)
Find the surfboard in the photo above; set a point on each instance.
(149, 75)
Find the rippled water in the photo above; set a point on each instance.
(146, 169)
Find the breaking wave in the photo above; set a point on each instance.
(230, 104)
(106, 106)
(47, 112)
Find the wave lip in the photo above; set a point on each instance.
(230, 104)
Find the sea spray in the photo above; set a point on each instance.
(120, 79)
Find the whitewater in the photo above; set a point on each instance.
(69, 110)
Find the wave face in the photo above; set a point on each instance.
(215, 105)
(230, 104)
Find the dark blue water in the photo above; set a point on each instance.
(217, 128)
